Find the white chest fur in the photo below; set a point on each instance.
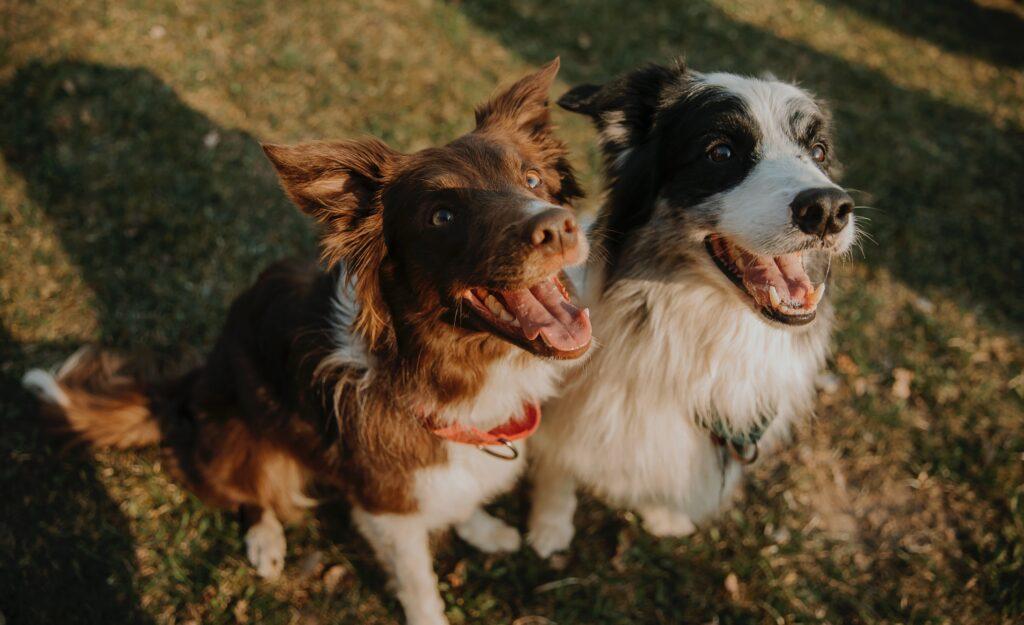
(674, 353)
(448, 493)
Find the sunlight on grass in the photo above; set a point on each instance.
(42, 294)
(909, 62)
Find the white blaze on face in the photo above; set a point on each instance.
(756, 213)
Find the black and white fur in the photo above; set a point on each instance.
(679, 342)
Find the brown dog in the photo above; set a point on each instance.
(429, 338)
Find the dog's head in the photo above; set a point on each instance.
(736, 172)
(472, 235)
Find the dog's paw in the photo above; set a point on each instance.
(265, 546)
(503, 538)
(489, 534)
(665, 523)
(547, 537)
(426, 618)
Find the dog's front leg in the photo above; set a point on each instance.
(551, 509)
(401, 542)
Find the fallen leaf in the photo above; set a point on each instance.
(732, 586)
(333, 577)
(901, 383)
(241, 611)
(458, 575)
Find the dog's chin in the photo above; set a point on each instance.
(541, 318)
(776, 287)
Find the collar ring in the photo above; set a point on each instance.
(512, 453)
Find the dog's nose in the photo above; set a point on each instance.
(553, 232)
(822, 211)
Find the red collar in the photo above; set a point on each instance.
(516, 428)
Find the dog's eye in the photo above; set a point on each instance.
(442, 217)
(720, 152)
(818, 152)
(533, 179)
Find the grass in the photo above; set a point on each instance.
(134, 202)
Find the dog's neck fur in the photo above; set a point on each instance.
(682, 335)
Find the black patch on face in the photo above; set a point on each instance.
(702, 119)
(667, 143)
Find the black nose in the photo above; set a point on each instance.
(553, 232)
(822, 211)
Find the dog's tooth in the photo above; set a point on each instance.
(493, 305)
(817, 294)
(498, 309)
(586, 311)
(773, 295)
(515, 322)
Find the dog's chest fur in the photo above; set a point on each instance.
(450, 491)
(677, 351)
(460, 476)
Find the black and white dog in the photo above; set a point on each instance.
(719, 227)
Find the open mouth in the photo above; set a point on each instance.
(778, 285)
(541, 318)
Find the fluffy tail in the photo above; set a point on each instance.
(96, 398)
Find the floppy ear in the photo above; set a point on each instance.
(338, 184)
(624, 109)
(524, 105)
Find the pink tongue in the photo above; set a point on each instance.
(786, 273)
(541, 310)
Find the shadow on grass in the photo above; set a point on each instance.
(945, 181)
(960, 26)
(66, 555)
(166, 216)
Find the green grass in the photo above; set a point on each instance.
(135, 202)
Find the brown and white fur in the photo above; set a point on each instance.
(720, 189)
(326, 373)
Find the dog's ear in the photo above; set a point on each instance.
(339, 184)
(624, 112)
(524, 105)
(581, 99)
(332, 181)
(524, 109)
(624, 109)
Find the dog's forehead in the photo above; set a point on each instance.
(766, 96)
(776, 107)
(470, 161)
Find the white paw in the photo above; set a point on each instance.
(665, 523)
(503, 538)
(489, 534)
(426, 618)
(265, 546)
(424, 607)
(547, 536)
